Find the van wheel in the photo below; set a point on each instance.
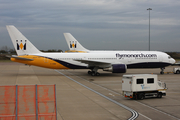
(134, 97)
(141, 96)
(159, 95)
(177, 72)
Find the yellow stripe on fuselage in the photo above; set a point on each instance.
(40, 61)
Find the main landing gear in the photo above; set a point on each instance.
(94, 72)
(162, 71)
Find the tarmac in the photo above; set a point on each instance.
(81, 96)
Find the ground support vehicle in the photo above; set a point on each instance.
(139, 86)
(176, 70)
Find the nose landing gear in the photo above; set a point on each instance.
(162, 71)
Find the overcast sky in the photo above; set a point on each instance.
(96, 24)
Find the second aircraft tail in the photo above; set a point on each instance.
(73, 44)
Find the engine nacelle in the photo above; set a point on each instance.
(117, 68)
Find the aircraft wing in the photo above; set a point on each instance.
(21, 58)
(96, 63)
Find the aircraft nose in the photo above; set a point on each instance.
(173, 61)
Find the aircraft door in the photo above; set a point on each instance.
(160, 58)
(129, 59)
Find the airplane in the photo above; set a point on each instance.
(115, 62)
(75, 46)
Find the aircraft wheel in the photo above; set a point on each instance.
(89, 72)
(97, 74)
(93, 73)
(162, 71)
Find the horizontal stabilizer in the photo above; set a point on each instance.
(21, 58)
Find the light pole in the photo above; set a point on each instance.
(149, 26)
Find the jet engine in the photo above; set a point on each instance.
(116, 68)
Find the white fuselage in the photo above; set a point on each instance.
(133, 59)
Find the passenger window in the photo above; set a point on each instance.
(150, 80)
(139, 81)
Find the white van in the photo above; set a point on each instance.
(139, 86)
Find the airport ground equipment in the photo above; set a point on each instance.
(139, 86)
(176, 70)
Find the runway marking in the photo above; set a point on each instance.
(158, 110)
(135, 100)
(134, 113)
(111, 94)
(110, 91)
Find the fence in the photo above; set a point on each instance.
(28, 102)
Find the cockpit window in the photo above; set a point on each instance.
(169, 57)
